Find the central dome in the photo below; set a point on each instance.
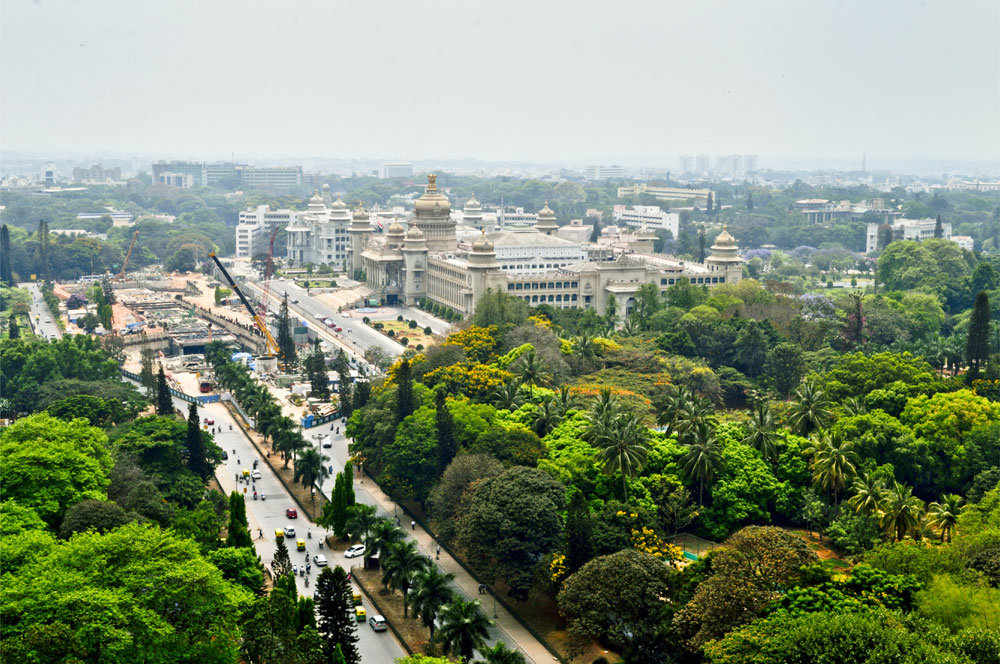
(432, 203)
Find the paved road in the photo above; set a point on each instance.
(266, 515)
(508, 631)
(309, 308)
(41, 318)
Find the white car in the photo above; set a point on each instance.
(320, 560)
(377, 623)
(355, 551)
(327, 442)
(255, 474)
(289, 531)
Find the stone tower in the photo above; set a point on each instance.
(725, 260)
(414, 266)
(432, 215)
(546, 223)
(359, 231)
(482, 259)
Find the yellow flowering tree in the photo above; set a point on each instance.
(479, 343)
(473, 379)
(648, 541)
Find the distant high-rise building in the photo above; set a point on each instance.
(749, 163)
(396, 169)
(613, 172)
(687, 163)
(192, 174)
(97, 174)
(49, 175)
(701, 164)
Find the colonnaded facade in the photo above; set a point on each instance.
(454, 266)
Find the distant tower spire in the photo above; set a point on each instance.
(864, 160)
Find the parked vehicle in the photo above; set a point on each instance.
(355, 551)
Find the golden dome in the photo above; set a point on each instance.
(395, 228)
(360, 212)
(546, 211)
(482, 244)
(338, 204)
(724, 239)
(432, 202)
(414, 234)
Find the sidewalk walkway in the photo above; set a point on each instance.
(516, 635)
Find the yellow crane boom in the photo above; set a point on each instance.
(272, 345)
(121, 275)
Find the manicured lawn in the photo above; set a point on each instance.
(402, 329)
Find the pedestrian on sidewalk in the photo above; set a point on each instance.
(482, 588)
(437, 555)
(413, 525)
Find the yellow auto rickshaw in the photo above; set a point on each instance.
(246, 473)
(300, 544)
(357, 599)
(359, 613)
(279, 535)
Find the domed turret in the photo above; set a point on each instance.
(338, 204)
(395, 229)
(432, 215)
(414, 234)
(432, 198)
(360, 212)
(472, 213)
(546, 220)
(482, 245)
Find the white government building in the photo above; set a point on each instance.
(455, 266)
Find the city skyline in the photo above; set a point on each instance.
(517, 82)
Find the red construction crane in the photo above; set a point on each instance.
(268, 271)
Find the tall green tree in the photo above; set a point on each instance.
(319, 384)
(431, 591)
(785, 367)
(943, 514)
(447, 445)
(281, 565)
(286, 344)
(404, 391)
(13, 331)
(763, 433)
(977, 347)
(399, 567)
(579, 532)
(531, 370)
(938, 228)
(702, 456)
(164, 402)
(310, 469)
(6, 274)
(834, 463)
(334, 604)
(624, 450)
(901, 511)
(811, 409)
(146, 375)
(197, 451)
(239, 528)
(464, 627)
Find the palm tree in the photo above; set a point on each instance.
(531, 369)
(585, 347)
(384, 533)
(310, 469)
(901, 511)
(854, 406)
(508, 396)
(464, 627)
(955, 354)
(834, 463)
(763, 434)
(546, 417)
(629, 328)
(936, 352)
(943, 515)
(360, 522)
(624, 450)
(400, 565)
(499, 653)
(431, 591)
(868, 494)
(566, 401)
(703, 456)
(811, 409)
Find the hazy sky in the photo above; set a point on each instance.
(579, 81)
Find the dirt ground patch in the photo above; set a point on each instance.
(390, 605)
(819, 546)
